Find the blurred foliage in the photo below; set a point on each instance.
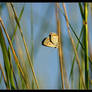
(36, 21)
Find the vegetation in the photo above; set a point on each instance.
(19, 46)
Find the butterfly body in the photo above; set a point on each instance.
(51, 40)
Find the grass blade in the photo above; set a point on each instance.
(27, 52)
(32, 42)
(13, 51)
(81, 10)
(86, 47)
(20, 16)
(71, 73)
(59, 47)
(72, 41)
(11, 66)
(3, 76)
(6, 61)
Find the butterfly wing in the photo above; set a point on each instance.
(54, 38)
(48, 43)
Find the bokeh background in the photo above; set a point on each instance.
(37, 21)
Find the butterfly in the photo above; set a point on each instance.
(51, 40)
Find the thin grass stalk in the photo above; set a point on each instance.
(81, 10)
(75, 35)
(73, 61)
(24, 67)
(72, 29)
(86, 47)
(9, 74)
(5, 80)
(59, 47)
(83, 17)
(5, 57)
(27, 52)
(80, 41)
(14, 33)
(73, 44)
(20, 16)
(1, 78)
(65, 74)
(74, 55)
(32, 42)
(90, 48)
(13, 51)
(10, 17)
(11, 66)
(65, 77)
(82, 65)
